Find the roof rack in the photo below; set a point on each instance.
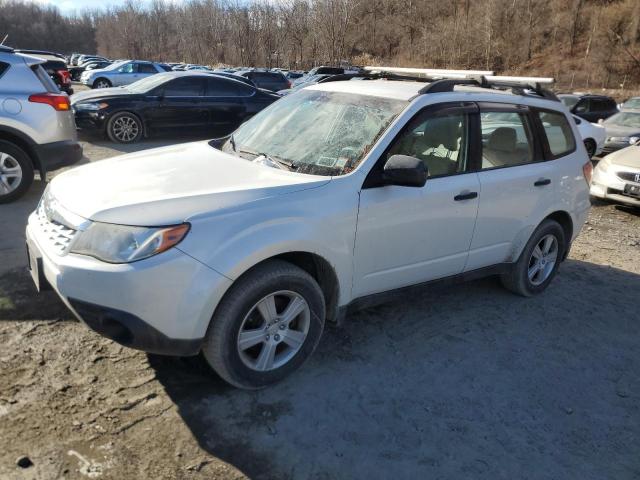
(441, 80)
(5, 49)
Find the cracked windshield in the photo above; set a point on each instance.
(316, 132)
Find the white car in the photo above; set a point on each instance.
(617, 177)
(593, 135)
(331, 196)
(119, 74)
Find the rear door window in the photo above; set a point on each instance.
(560, 139)
(507, 139)
(217, 87)
(146, 68)
(3, 68)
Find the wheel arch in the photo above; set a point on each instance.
(566, 222)
(26, 144)
(101, 78)
(319, 268)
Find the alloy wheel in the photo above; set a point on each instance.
(274, 330)
(543, 259)
(10, 174)
(125, 128)
(102, 84)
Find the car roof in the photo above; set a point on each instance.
(399, 90)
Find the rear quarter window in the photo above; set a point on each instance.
(45, 79)
(559, 135)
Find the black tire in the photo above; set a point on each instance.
(517, 279)
(115, 133)
(590, 146)
(221, 348)
(102, 83)
(16, 158)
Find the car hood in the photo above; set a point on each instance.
(627, 157)
(169, 185)
(99, 93)
(621, 131)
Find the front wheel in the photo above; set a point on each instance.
(538, 262)
(16, 172)
(102, 83)
(266, 326)
(124, 127)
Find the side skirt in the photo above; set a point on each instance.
(390, 296)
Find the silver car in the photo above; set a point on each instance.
(120, 73)
(37, 128)
(617, 176)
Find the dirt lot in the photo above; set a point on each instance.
(460, 382)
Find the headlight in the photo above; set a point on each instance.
(633, 140)
(123, 244)
(618, 139)
(90, 106)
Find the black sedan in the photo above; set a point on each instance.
(209, 104)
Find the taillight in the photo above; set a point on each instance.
(65, 76)
(587, 170)
(59, 101)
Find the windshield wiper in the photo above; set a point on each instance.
(232, 141)
(278, 161)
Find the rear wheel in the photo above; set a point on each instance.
(538, 262)
(266, 326)
(590, 145)
(16, 172)
(102, 83)
(124, 127)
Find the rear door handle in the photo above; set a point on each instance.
(465, 196)
(542, 182)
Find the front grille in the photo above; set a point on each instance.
(629, 176)
(57, 235)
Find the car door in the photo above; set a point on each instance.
(516, 183)
(226, 103)
(124, 75)
(181, 105)
(584, 109)
(408, 235)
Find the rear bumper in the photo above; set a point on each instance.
(58, 154)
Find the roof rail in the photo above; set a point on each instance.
(5, 49)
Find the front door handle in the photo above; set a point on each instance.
(542, 182)
(465, 196)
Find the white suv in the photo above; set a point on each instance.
(332, 195)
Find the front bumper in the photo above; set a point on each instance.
(608, 186)
(162, 304)
(58, 154)
(90, 120)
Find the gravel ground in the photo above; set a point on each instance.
(459, 382)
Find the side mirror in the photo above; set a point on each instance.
(404, 171)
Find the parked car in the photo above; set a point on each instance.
(307, 81)
(617, 176)
(623, 129)
(83, 58)
(329, 196)
(55, 65)
(121, 73)
(76, 72)
(37, 131)
(590, 107)
(632, 103)
(593, 136)
(273, 81)
(192, 101)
